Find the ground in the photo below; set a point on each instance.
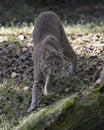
(16, 67)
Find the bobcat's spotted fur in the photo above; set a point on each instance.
(50, 46)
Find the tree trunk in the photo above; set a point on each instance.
(81, 111)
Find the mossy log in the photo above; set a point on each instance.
(81, 111)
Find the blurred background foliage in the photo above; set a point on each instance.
(17, 12)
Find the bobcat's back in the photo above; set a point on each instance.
(47, 23)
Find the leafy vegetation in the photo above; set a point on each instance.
(17, 69)
(85, 32)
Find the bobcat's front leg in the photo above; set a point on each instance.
(35, 95)
(73, 67)
(48, 83)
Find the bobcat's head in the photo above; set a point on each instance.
(52, 62)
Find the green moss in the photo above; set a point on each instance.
(48, 115)
(70, 102)
(83, 117)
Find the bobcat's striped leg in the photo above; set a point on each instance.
(35, 96)
(46, 85)
(73, 66)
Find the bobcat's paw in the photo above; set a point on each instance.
(68, 75)
(31, 109)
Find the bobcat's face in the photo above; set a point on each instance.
(52, 64)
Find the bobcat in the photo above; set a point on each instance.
(50, 47)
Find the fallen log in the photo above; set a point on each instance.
(81, 111)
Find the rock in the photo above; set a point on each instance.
(26, 89)
(30, 45)
(13, 75)
(3, 38)
(24, 49)
(21, 37)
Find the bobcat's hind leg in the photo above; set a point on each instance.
(73, 67)
(70, 54)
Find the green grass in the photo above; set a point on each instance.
(14, 98)
(11, 106)
(24, 29)
(15, 93)
(74, 28)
